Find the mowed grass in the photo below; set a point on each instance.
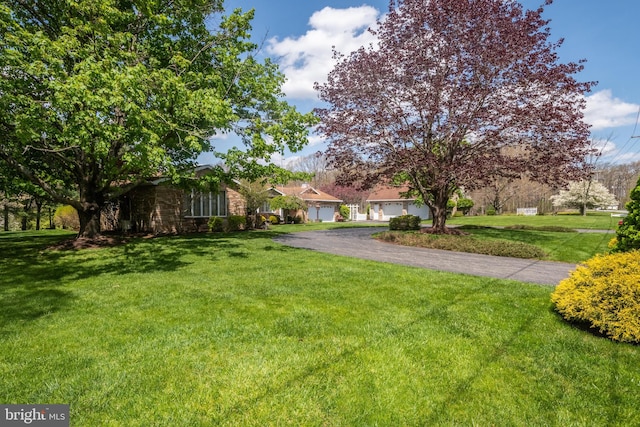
(573, 247)
(238, 330)
(593, 220)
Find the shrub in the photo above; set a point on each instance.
(274, 219)
(345, 212)
(66, 217)
(236, 223)
(628, 233)
(465, 205)
(216, 224)
(405, 222)
(604, 293)
(464, 243)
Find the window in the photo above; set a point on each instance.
(205, 205)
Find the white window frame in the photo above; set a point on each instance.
(206, 201)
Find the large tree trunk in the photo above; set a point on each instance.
(439, 219)
(89, 222)
(439, 210)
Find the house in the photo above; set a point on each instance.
(386, 203)
(320, 205)
(160, 207)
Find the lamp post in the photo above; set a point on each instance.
(317, 212)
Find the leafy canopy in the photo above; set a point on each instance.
(97, 95)
(455, 92)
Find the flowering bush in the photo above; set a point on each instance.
(605, 294)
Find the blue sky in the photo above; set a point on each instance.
(299, 35)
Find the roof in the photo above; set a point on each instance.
(388, 193)
(307, 193)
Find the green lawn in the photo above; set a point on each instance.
(593, 220)
(573, 247)
(239, 330)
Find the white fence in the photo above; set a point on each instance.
(354, 214)
(527, 211)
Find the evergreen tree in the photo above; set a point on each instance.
(628, 234)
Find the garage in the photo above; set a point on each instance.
(422, 211)
(391, 209)
(324, 213)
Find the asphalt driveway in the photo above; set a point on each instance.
(358, 243)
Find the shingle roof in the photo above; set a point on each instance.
(308, 194)
(388, 193)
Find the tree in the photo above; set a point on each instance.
(455, 93)
(583, 195)
(348, 194)
(287, 203)
(96, 96)
(628, 234)
(255, 194)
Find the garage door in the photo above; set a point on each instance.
(391, 210)
(422, 211)
(325, 214)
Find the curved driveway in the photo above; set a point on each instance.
(357, 242)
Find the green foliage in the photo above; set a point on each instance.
(345, 212)
(405, 222)
(236, 223)
(287, 203)
(126, 90)
(66, 217)
(465, 205)
(604, 293)
(216, 224)
(628, 234)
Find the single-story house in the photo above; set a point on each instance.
(386, 203)
(160, 207)
(320, 205)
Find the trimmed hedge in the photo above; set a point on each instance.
(605, 294)
(405, 222)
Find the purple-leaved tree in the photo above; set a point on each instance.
(456, 92)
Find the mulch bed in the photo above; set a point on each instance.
(103, 241)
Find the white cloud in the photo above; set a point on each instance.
(604, 147)
(309, 58)
(603, 111)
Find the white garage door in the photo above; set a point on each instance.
(325, 213)
(422, 211)
(391, 210)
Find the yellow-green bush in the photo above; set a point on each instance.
(604, 293)
(273, 219)
(66, 217)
